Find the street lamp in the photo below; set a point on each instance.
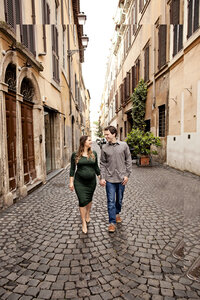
(85, 40)
(81, 18)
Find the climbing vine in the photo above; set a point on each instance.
(139, 100)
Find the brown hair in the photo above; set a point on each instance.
(79, 153)
(112, 129)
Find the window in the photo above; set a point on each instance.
(64, 131)
(178, 29)
(28, 37)
(125, 128)
(13, 15)
(178, 39)
(76, 89)
(193, 16)
(162, 45)
(116, 102)
(133, 72)
(142, 4)
(148, 125)
(55, 57)
(134, 18)
(161, 120)
(122, 93)
(45, 20)
(64, 47)
(137, 71)
(146, 63)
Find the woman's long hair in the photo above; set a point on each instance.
(79, 153)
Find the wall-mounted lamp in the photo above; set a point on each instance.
(85, 40)
(81, 18)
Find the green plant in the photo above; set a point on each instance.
(140, 142)
(99, 129)
(139, 100)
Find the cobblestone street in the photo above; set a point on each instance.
(44, 254)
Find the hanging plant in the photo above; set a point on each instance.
(139, 100)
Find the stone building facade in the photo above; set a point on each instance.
(44, 104)
(149, 42)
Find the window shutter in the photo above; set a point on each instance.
(196, 15)
(133, 78)
(146, 70)
(137, 72)
(175, 40)
(32, 38)
(25, 35)
(18, 12)
(190, 18)
(180, 40)
(175, 12)
(116, 102)
(10, 13)
(162, 45)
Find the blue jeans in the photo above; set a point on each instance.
(115, 192)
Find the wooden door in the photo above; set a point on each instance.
(28, 141)
(11, 138)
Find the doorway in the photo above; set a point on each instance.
(28, 141)
(49, 140)
(11, 137)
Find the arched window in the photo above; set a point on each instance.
(27, 89)
(10, 77)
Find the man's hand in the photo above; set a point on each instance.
(71, 187)
(102, 182)
(124, 182)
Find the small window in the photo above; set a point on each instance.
(193, 16)
(146, 63)
(161, 120)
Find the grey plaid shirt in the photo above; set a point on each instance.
(115, 162)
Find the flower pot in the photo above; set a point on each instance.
(144, 160)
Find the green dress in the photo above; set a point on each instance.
(85, 177)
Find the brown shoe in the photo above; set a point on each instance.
(111, 227)
(118, 219)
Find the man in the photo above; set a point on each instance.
(116, 165)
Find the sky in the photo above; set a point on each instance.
(99, 28)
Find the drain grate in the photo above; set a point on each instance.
(179, 250)
(194, 272)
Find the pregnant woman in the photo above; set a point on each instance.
(83, 171)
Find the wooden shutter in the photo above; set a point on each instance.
(146, 62)
(180, 40)
(175, 12)
(32, 38)
(190, 4)
(175, 40)
(133, 78)
(196, 15)
(10, 14)
(121, 94)
(137, 72)
(162, 45)
(55, 57)
(116, 102)
(18, 12)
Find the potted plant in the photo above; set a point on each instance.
(140, 144)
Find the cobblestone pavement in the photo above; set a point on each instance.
(44, 254)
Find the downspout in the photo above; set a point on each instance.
(69, 70)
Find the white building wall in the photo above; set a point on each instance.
(184, 153)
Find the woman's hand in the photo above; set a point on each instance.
(71, 186)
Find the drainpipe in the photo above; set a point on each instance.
(69, 70)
